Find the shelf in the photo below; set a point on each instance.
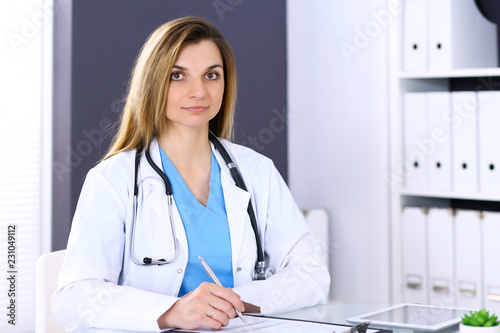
(468, 72)
(451, 195)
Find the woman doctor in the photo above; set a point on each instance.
(183, 87)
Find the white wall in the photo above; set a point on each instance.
(338, 135)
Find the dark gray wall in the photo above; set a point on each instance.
(96, 42)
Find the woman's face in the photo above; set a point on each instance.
(196, 86)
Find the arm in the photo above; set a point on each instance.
(88, 294)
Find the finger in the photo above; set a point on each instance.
(211, 315)
(222, 306)
(228, 295)
(224, 299)
(219, 317)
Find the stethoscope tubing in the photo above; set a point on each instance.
(260, 271)
(168, 189)
(148, 261)
(241, 184)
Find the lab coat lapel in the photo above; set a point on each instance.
(236, 201)
(159, 203)
(157, 198)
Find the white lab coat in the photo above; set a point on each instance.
(99, 285)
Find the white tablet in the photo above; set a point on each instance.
(413, 317)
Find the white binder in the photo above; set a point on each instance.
(468, 259)
(415, 154)
(415, 35)
(439, 136)
(464, 142)
(460, 36)
(491, 255)
(414, 255)
(441, 270)
(489, 141)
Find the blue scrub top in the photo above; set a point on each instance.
(207, 228)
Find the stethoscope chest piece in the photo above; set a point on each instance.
(261, 272)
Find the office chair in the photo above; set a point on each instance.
(47, 269)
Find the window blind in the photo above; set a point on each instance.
(23, 159)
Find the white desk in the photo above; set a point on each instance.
(335, 313)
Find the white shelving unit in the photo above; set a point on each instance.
(468, 72)
(450, 195)
(401, 82)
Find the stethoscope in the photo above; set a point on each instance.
(260, 271)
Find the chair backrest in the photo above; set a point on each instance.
(47, 270)
(317, 219)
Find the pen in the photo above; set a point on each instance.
(217, 282)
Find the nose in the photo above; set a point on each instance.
(196, 89)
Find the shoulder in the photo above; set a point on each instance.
(118, 170)
(109, 181)
(120, 162)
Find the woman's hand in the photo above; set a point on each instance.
(208, 305)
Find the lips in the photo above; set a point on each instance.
(195, 109)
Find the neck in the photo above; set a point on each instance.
(185, 145)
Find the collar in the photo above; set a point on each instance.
(148, 172)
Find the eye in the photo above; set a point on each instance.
(212, 76)
(176, 76)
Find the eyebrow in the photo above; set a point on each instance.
(185, 69)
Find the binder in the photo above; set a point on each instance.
(414, 255)
(439, 137)
(415, 151)
(468, 260)
(491, 255)
(489, 141)
(415, 35)
(460, 36)
(464, 142)
(441, 270)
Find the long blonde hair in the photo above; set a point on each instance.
(143, 116)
